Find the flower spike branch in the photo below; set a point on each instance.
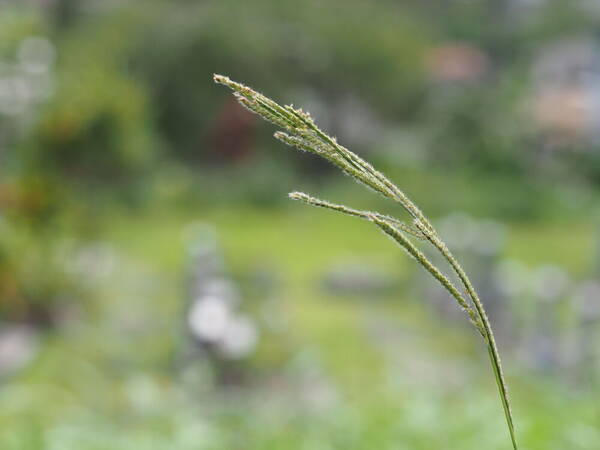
(301, 132)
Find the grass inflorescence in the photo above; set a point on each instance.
(300, 131)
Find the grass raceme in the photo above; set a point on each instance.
(300, 131)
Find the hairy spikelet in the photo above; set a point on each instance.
(302, 133)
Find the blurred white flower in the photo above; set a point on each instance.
(208, 318)
(240, 337)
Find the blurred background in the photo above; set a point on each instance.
(159, 291)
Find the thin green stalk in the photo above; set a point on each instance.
(303, 133)
(488, 334)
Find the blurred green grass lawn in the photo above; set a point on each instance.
(412, 382)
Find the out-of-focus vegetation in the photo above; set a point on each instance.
(156, 291)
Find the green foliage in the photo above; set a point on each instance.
(35, 283)
(96, 127)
